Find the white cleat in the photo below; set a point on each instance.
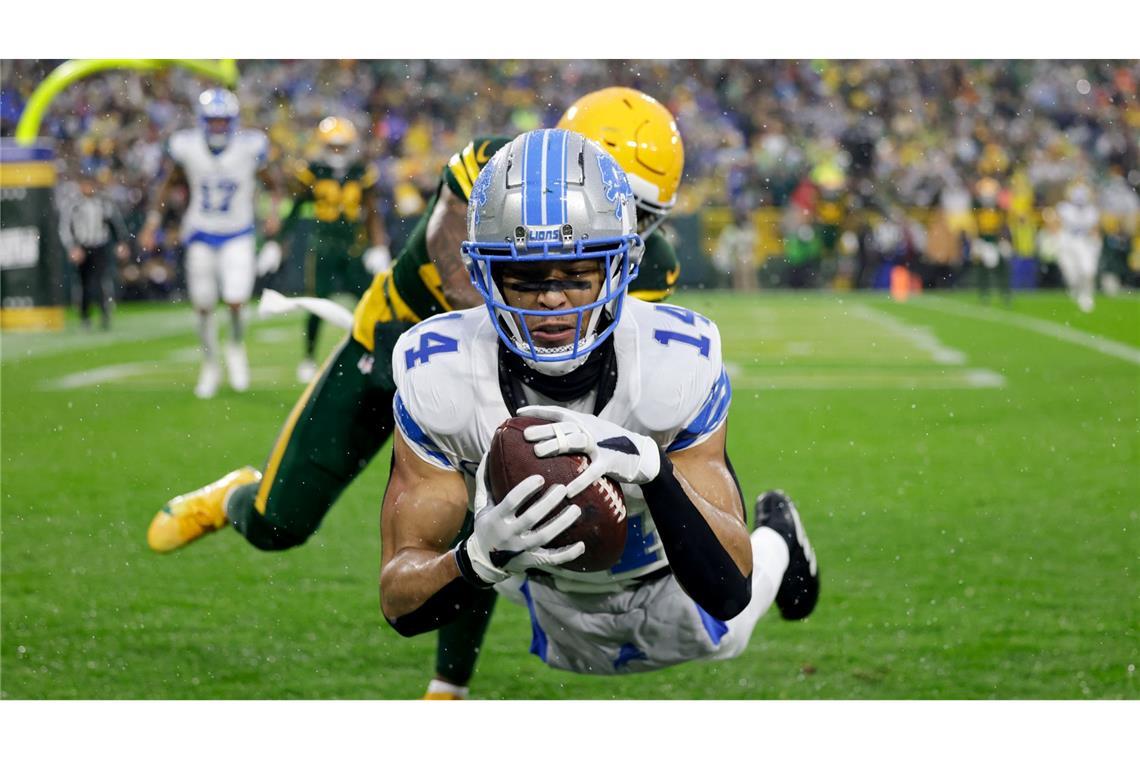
(1085, 303)
(237, 366)
(306, 371)
(209, 378)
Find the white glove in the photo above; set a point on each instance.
(623, 455)
(504, 543)
(269, 258)
(377, 259)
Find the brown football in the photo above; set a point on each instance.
(602, 525)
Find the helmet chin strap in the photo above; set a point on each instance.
(566, 366)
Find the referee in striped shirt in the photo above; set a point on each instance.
(89, 226)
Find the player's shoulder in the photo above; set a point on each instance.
(305, 173)
(253, 140)
(432, 361)
(181, 141)
(679, 363)
(657, 244)
(465, 164)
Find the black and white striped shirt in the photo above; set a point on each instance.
(91, 222)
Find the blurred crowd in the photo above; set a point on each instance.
(858, 157)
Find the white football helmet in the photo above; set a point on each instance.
(553, 195)
(218, 111)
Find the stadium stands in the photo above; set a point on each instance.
(875, 158)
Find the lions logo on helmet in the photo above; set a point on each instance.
(218, 112)
(549, 196)
(642, 135)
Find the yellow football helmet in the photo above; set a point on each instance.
(339, 141)
(642, 135)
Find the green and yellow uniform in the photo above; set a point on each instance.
(337, 202)
(830, 216)
(991, 222)
(993, 227)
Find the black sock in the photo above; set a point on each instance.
(312, 327)
(242, 514)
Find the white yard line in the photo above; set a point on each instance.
(112, 373)
(98, 376)
(1101, 345)
(951, 374)
(919, 336)
(134, 328)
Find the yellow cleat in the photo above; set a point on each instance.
(190, 516)
(438, 695)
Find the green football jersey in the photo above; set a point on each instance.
(337, 198)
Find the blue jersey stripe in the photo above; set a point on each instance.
(413, 432)
(709, 418)
(532, 179)
(715, 628)
(217, 240)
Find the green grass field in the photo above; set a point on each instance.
(968, 477)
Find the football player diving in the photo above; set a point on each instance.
(552, 250)
(346, 414)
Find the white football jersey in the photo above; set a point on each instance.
(671, 386)
(1078, 220)
(222, 185)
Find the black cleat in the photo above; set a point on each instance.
(799, 591)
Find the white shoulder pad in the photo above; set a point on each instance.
(685, 391)
(255, 142)
(431, 364)
(179, 144)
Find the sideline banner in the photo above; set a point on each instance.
(32, 293)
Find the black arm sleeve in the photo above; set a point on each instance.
(701, 565)
(439, 610)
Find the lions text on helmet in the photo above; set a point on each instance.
(554, 283)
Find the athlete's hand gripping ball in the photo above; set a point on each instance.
(505, 540)
(625, 456)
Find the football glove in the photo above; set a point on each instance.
(377, 259)
(612, 450)
(269, 258)
(504, 543)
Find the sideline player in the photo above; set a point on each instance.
(991, 248)
(1078, 250)
(558, 339)
(340, 186)
(219, 163)
(345, 415)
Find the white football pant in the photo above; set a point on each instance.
(227, 270)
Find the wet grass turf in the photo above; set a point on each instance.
(976, 518)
